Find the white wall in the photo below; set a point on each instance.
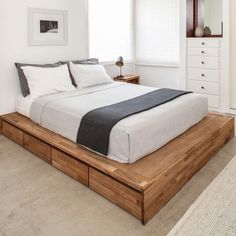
(170, 77)
(213, 15)
(156, 76)
(233, 54)
(225, 60)
(14, 41)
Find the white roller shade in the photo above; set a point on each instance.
(110, 29)
(157, 31)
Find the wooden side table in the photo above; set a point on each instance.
(133, 79)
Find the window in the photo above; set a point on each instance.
(157, 31)
(111, 29)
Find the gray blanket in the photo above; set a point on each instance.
(96, 125)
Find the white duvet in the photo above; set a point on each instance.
(132, 138)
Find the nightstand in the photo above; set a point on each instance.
(133, 79)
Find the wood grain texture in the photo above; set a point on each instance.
(12, 133)
(190, 18)
(145, 186)
(0, 125)
(70, 166)
(133, 79)
(38, 147)
(123, 196)
(181, 170)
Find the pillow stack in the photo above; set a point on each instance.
(38, 80)
(42, 81)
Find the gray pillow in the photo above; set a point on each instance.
(91, 61)
(23, 81)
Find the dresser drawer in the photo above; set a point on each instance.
(38, 147)
(203, 62)
(208, 52)
(12, 133)
(203, 43)
(203, 75)
(203, 87)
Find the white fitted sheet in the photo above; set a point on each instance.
(136, 136)
(23, 105)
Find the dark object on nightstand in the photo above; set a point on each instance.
(133, 79)
(120, 63)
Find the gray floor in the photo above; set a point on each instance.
(36, 199)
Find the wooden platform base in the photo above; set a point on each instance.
(142, 188)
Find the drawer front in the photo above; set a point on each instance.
(70, 166)
(12, 133)
(116, 192)
(203, 43)
(38, 147)
(203, 62)
(203, 87)
(203, 75)
(208, 52)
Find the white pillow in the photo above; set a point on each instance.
(44, 81)
(89, 75)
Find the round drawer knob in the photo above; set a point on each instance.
(202, 87)
(203, 52)
(203, 62)
(203, 43)
(203, 75)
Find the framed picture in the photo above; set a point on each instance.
(47, 27)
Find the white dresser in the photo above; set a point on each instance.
(203, 68)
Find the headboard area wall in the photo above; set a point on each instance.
(14, 45)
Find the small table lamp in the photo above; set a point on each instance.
(120, 63)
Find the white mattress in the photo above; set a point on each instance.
(23, 105)
(138, 135)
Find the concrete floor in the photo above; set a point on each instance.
(36, 199)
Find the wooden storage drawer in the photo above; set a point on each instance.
(203, 75)
(121, 195)
(208, 52)
(38, 147)
(203, 87)
(203, 43)
(203, 62)
(12, 133)
(70, 166)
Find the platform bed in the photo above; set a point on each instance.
(142, 188)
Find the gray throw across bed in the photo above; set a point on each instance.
(96, 125)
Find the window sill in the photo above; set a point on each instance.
(112, 63)
(144, 63)
(158, 64)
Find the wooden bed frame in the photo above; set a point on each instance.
(142, 188)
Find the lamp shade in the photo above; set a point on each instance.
(120, 62)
